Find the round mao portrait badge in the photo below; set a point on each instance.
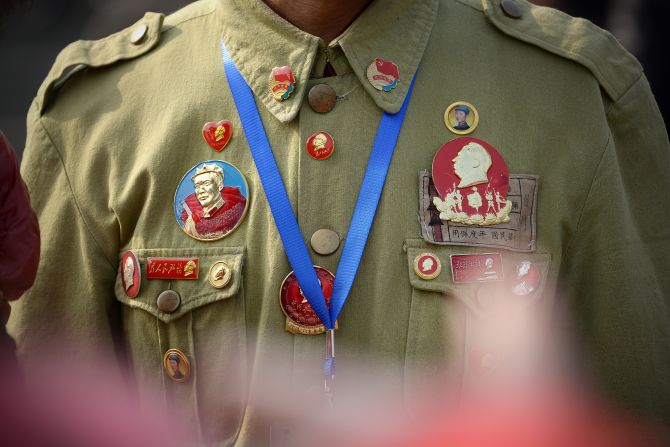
(300, 317)
(427, 266)
(211, 200)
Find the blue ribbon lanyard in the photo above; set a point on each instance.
(285, 220)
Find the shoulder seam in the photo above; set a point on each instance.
(570, 246)
(74, 197)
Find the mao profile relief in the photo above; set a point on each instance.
(211, 200)
(473, 180)
(461, 118)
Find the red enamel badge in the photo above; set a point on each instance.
(282, 83)
(472, 179)
(131, 275)
(217, 135)
(172, 268)
(478, 267)
(301, 318)
(320, 145)
(527, 278)
(427, 266)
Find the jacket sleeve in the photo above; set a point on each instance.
(618, 264)
(70, 311)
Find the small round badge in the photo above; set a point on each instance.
(527, 278)
(300, 317)
(220, 274)
(320, 145)
(211, 200)
(461, 118)
(383, 74)
(131, 274)
(217, 135)
(282, 83)
(427, 266)
(176, 365)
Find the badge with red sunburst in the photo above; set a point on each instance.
(300, 317)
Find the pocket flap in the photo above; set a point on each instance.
(194, 293)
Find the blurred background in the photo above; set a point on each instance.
(32, 32)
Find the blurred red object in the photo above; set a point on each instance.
(19, 231)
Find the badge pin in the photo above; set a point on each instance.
(320, 145)
(476, 268)
(527, 278)
(461, 118)
(220, 274)
(217, 135)
(300, 317)
(383, 74)
(172, 268)
(472, 180)
(427, 266)
(176, 365)
(131, 274)
(211, 200)
(282, 83)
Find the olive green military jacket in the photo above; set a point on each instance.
(117, 124)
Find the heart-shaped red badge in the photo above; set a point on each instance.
(218, 134)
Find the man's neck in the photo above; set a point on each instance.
(326, 19)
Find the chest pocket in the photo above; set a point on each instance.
(208, 326)
(449, 321)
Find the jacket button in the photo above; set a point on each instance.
(321, 98)
(512, 8)
(138, 34)
(325, 242)
(168, 301)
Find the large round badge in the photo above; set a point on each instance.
(300, 317)
(131, 274)
(472, 180)
(211, 200)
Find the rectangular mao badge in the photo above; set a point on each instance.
(172, 268)
(478, 267)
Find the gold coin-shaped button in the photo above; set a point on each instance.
(220, 274)
(325, 242)
(168, 301)
(139, 33)
(321, 98)
(176, 365)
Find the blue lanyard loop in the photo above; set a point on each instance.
(285, 220)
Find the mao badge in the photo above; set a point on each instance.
(211, 200)
(282, 83)
(130, 274)
(300, 317)
(472, 180)
(217, 135)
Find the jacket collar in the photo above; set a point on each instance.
(258, 40)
